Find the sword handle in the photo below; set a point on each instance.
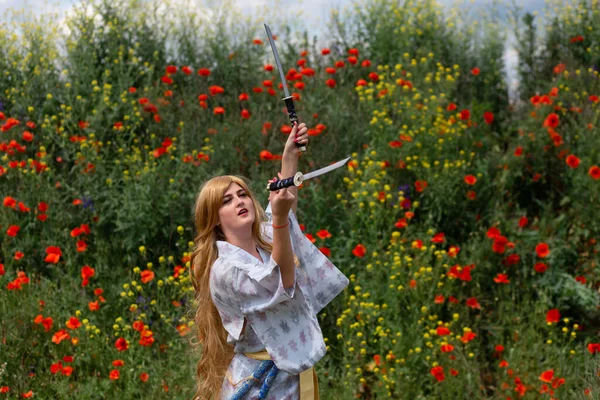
(289, 104)
(295, 180)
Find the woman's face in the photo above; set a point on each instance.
(237, 211)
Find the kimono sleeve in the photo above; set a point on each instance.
(286, 325)
(321, 280)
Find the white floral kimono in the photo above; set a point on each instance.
(284, 322)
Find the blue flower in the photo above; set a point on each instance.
(404, 188)
(87, 202)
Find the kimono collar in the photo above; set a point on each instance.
(226, 250)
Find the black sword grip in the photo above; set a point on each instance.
(280, 184)
(289, 104)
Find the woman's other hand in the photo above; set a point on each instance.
(281, 202)
(298, 135)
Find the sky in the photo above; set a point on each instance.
(313, 14)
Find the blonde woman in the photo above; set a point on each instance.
(259, 284)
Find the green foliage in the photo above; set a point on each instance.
(114, 136)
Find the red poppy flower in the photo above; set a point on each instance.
(266, 155)
(215, 90)
(594, 172)
(451, 107)
(166, 79)
(465, 114)
(339, 64)
(438, 237)
(361, 82)
(53, 254)
(13, 230)
(268, 67)
(323, 234)
(523, 221)
(438, 373)
(325, 251)
(488, 117)
(146, 338)
(147, 276)
(501, 278)
(420, 185)
(330, 83)
(470, 179)
(218, 111)
(352, 60)
(553, 316)
(121, 344)
(593, 348)
(325, 51)
(257, 41)
(542, 250)
(73, 323)
(573, 161)
(475, 71)
(547, 375)
(473, 303)
(308, 72)
(114, 374)
(365, 63)
(204, 72)
(467, 337)
(144, 377)
(442, 331)
(540, 267)
(359, 250)
(60, 336)
(551, 121)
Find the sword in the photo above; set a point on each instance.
(289, 100)
(299, 177)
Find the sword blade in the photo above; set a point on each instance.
(277, 61)
(325, 170)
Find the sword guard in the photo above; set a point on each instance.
(295, 180)
(289, 104)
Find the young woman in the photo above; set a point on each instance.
(259, 284)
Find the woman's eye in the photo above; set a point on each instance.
(243, 194)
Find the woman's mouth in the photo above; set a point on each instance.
(243, 211)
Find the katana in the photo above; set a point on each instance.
(299, 177)
(289, 100)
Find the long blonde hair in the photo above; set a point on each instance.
(212, 336)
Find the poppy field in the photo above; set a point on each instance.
(467, 220)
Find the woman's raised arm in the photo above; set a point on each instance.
(289, 159)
